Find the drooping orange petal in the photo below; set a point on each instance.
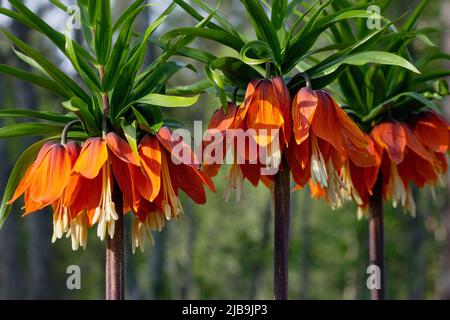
(415, 145)
(326, 124)
(392, 137)
(51, 176)
(89, 195)
(303, 109)
(264, 115)
(150, 153)
(222, 120)
(433, 131)
(297, 157)
(249, 95)
(29, 174)
(93, 156)
(73, 150)
(178, 149)
(121, 148)
(284, 104)
(32, 206)
(124, 179)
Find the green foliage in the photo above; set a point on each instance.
(370, 91)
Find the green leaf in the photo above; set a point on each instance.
(196, 88)
(123, 88)
(193, 12)
(216, 80)
(173, 124)
(168, 101)
(391, 102)
(103, 31)
(144, 114)
(35, 79)
(25, 113)
(30, 129)
(264, 29)
(434, 75)
(127, 14)
(222, 21)
(17, 173)
(90, 78)
(130, 132)
(120, 50)
(60, 77)
(279, 9)
(29, 18)
(155, 80)
(237, 71)
(362, 58)
(85, 113)
(261, 48)
(216, 35)
(59, 5)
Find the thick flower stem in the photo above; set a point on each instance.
(115, 285)
(115, 261)
(376, 239)
(281, 245)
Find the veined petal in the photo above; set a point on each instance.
(326, 124)
(303, 109)
(264, 114)
(415, 145)
(29, 174)
(433, 131)
(150, 153)
(392, 137)
(92, 157)
(170, 142)
(284, 104)
(51, 176)
(121, 148)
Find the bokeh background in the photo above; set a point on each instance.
(222, 250)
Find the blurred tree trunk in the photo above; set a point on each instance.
(10, 266)
(38, 224)
(444, 281)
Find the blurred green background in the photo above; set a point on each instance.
(222, 250)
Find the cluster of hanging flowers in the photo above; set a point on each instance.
(324, 147)
(257, 133)
(78, 183)
(313, 132)
(409, 152)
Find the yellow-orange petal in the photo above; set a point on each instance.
(93, 156)
(51, 176)
(29, 174)
(284, 104)
(264, 113)
(150, 153)
(303, 109)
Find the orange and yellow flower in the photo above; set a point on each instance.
(166, 166)
(228, 130)
(409, 152)
(324, 137)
